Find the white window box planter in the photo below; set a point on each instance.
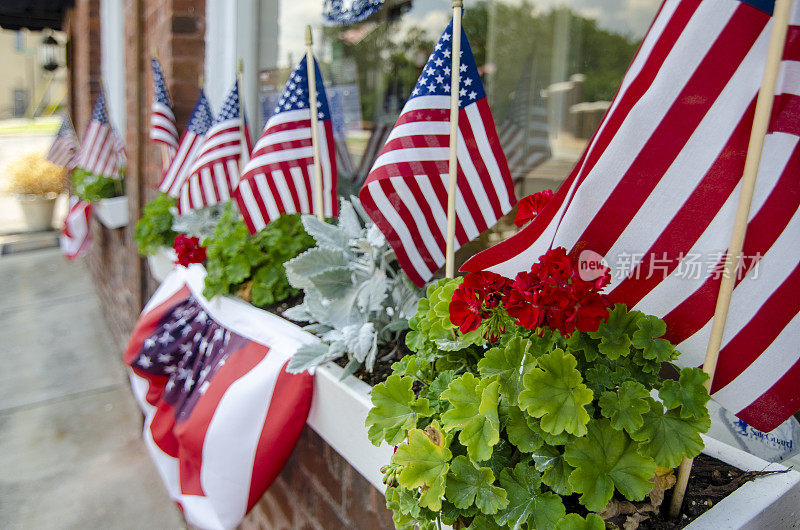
(339, 409)
(161, 263)
(113, 213)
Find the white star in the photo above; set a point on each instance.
(430, 71)
(447, 88)
(446, 70)
(186, 331)
(164, 358)
(423, 80)
(319, 104)
(439, 79)
(144, 362)
(462, 92)
(286, 106)
(473, 95)
(183, 373)
(438, 46)
(301, 104)
(468, 81)
(169, 369)
(446, 36)
(415, 91)
(439, 62)
(149, 343)
(431, 87)
(165, 338)
(187, 385)
(291, 86)
(321, 115)
(186, 348)
(446, 53)
(293, 99)
(463, 67)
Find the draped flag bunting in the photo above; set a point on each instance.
(163, 129)
(65, 146)
(75, 239)
(102, 151)
(343, 13)
(656, 193)
(280, 175)
(406, 190)
(523, 134)
(189, 146)
(222, 415)
(214, 174)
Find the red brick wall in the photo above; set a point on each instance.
(319, 490)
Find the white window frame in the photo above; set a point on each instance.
(112, 61)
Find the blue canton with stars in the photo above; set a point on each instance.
(338, 12)
(201, 116)
(160, 85)
(230, 109)
(295, 95)
(435, 78)
(99, 113)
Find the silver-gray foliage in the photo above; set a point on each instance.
(356, 297)
(197, 223)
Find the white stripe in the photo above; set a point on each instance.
(439, 128)
(287, 117)
(246, 192)
(266, 195)
(789, 80)
(439, 214)
(488, 157)
(473, 181)
(423, 228)
(207, 177)
(412, 154)
(764, 372)
(463, 216)
(299, 185)
(327, 175)
(231, 178)
(425, 103)
(275, 157)
(392, 217)
(291, 135)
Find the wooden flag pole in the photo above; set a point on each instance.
(312, 98)
(245, 156)
(453, 165)
(780, 20)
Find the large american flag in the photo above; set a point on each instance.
(280, 175)
(657, 189)
(214, 174)
(406, 190)
(222, 415)
(189, 146)
(75, 239)
(102, 151)
(65, 146)
(163, 129)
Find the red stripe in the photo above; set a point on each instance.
(472, 206)
(416, 141)
(670, 136)
(427, 213)
(287, 176)
(410, 222)
(468, 136)
(334, 177)
(775, 405)
(765, 326)
(497, 149)
(791, 50)
(246, 213)
(308, 188)
(763, 229)
(689, 223)
(424, 115)
(286, 418)
(786, 114)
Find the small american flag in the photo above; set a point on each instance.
(657, 190)
(523, 134)
(280, 175)
(222, 415)
(214, 174)
(189, 146)
(65, 146)
(75, 239)
(101, 152)
(406, 190)
(163, 129)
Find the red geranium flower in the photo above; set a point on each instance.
(591, 310)
(188, 250)
(524, 301)
(531, 206)
(555, 266)
(465, 310)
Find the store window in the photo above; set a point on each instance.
(550, 69)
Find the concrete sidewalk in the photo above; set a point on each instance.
(71, 454)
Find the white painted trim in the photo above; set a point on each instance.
(112, 61)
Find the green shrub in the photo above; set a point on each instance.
(154, 229)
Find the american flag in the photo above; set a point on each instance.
(102, 151)
(222, 415)
(163, 129)
(523, 134)
(75, 239)
(280, 175)
(189, 146)
(65, 146)
(657, 189)
(406, 190)
(214, 174)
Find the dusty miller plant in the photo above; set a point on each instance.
(197, 223)
(356, 297)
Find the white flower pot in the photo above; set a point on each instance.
(37, 210)
(113, 213)
(340, 408)
(161, 263)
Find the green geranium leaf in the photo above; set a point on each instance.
(555, 471)
(482, 522)
(614, 333)
(555, 393)
(395, 410)
(626, 406)
(667, 438)
(474, 413)
(646, 338)
(438, 386)
(520, 433)
(688, 392)
(527, 504)
(468, 485)
(507, 364)
(574, 521)
(426, 460)
(582, 342)
(604, 459)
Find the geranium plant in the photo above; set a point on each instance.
(531, 404)
(251, 267)
(93, 187)
(188, 250)
(154, 230)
